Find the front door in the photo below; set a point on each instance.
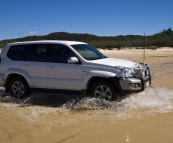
(62, 75)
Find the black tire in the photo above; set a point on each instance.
(104, 90)
(18, 87)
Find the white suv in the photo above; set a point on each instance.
(68, 67)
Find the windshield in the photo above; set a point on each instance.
(88, 52)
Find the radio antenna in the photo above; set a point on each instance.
(144, 50)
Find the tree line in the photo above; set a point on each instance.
(161, 39)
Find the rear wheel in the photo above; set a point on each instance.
(104, 90)
(18, 87)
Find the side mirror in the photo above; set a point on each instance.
(72, 60)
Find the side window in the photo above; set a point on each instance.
(15, 53)
(37, 53)
(60, 53)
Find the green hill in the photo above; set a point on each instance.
(161, 39)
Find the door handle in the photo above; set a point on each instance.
(52, 67)
(26, 65)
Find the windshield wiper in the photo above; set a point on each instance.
(97, 58)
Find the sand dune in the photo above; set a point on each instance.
(145, 117)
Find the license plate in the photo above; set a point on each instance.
(147, 84)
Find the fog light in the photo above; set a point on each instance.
(134, 85)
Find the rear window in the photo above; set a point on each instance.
(16, 53)
(30, 52)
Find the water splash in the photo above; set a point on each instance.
(159, 100)
(147, 103)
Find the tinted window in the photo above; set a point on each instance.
(16, 53)
(60, 53)
(37, 53)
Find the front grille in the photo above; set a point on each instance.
(146, 72)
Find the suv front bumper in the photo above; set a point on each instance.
(134, 84)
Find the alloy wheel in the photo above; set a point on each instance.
(103, 92)
(18, 89)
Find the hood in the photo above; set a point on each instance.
(115, 63)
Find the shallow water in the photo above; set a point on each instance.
(147, 103)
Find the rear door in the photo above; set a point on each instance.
(35, 64)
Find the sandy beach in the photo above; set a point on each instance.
(145, 117)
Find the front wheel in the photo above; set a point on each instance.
(104, 90)
(18, 87)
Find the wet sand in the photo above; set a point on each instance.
(146, 117)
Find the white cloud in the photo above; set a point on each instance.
(32, 32)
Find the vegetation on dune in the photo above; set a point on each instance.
(161, 39)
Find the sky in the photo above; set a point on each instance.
(21, 18)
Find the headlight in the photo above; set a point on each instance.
(130, 73)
